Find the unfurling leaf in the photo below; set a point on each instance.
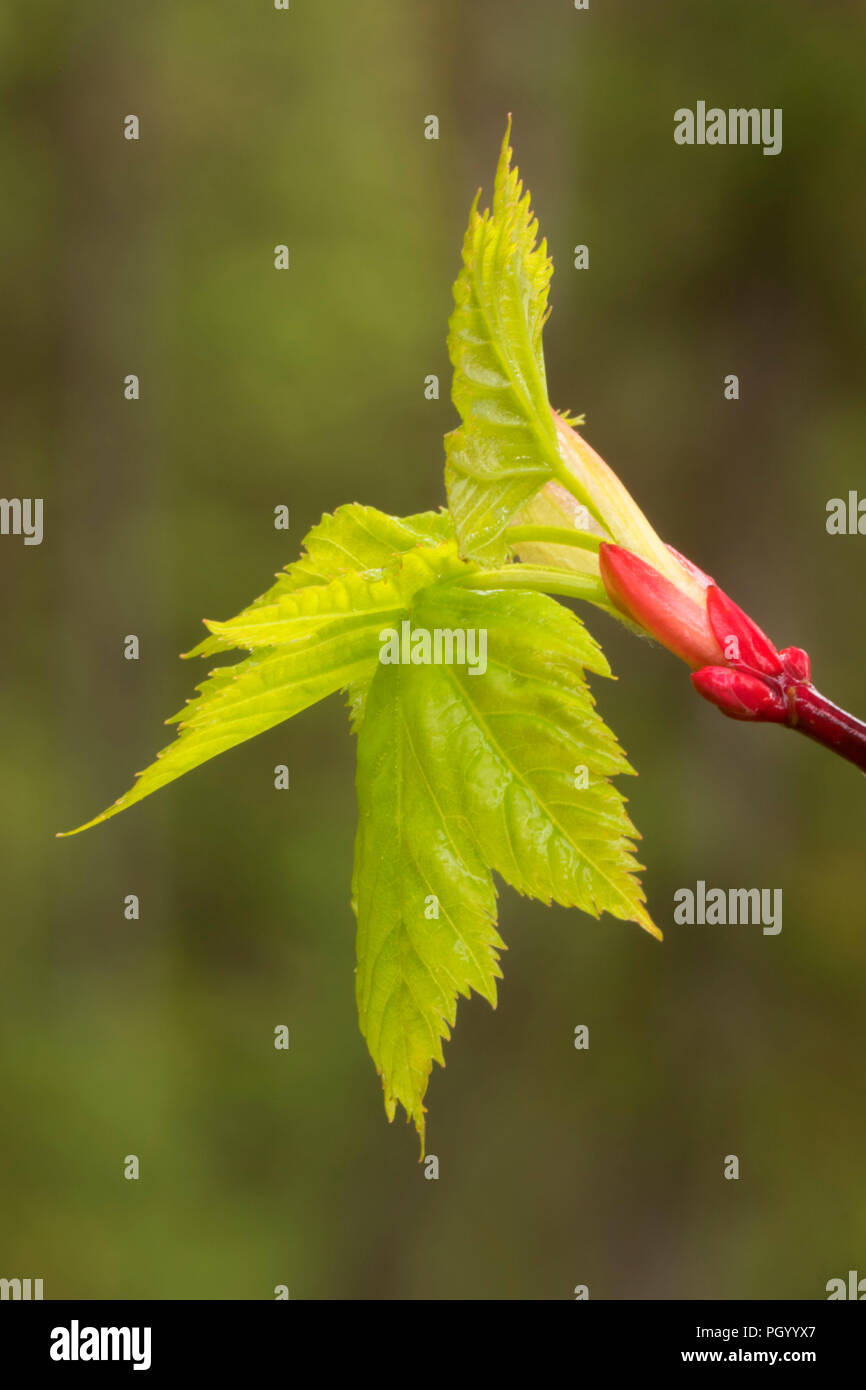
(506, 448)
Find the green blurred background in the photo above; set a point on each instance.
(557, 1167)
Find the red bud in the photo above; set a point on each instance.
(740, 695)
(742, 641)
(669, 614)
(735, 665)
(797, 664)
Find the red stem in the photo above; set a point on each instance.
(823, 721)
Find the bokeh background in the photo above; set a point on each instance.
(557, 1167)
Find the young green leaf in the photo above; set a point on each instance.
(237, 702)
(353, 539)
(525, 753)
(506, 448)
(424, 901)
(495, 762)
(342, 605)
(312, 634)
(465, 770)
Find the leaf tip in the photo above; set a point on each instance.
(650, 927)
